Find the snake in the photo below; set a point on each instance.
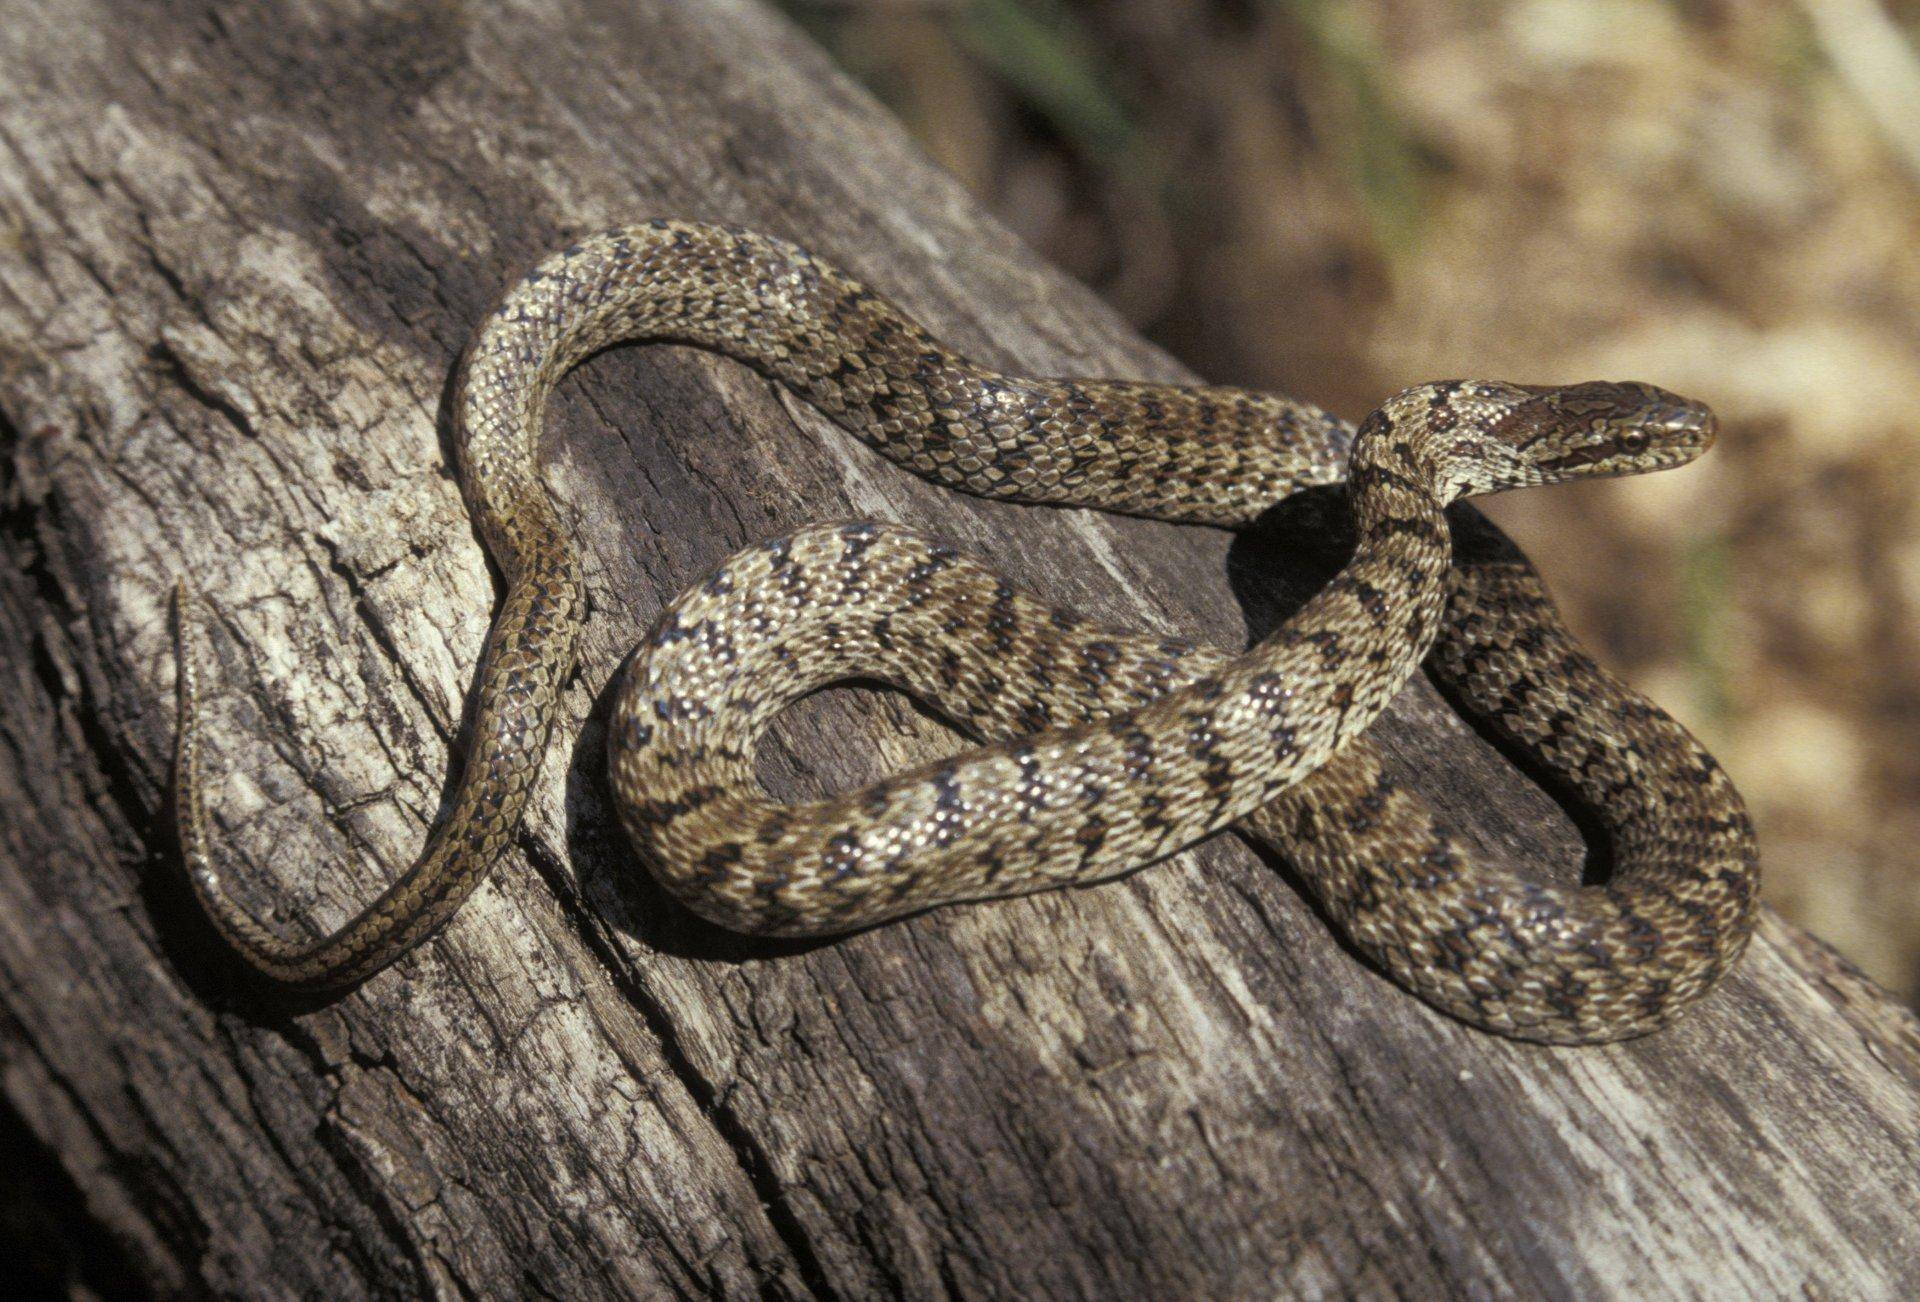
(1096, 752)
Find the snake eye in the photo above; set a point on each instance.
(1634, 442)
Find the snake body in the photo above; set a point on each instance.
(1100, 751)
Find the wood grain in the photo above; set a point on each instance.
(240, 248)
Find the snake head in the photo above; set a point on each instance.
(1488, 436)
(1607, 428)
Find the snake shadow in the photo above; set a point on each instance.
(199, 956)
(617, 886)
(1274, 567)
(1277, 564)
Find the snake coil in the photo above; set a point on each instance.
(1100, 751)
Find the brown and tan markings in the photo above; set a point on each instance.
(1100, 751)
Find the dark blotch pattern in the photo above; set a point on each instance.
(1100, 751)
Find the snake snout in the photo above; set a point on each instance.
(1676, 422)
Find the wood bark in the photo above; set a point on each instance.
(241, 246)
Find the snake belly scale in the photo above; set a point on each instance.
(1099, 751)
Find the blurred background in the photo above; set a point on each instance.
(1338, 198)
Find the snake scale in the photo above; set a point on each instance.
(1099, 751)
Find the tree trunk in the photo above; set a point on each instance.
(240, 248)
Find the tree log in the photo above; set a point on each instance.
(241, 245)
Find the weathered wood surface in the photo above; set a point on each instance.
(240, 247)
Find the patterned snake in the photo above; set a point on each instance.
(1100, 751)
